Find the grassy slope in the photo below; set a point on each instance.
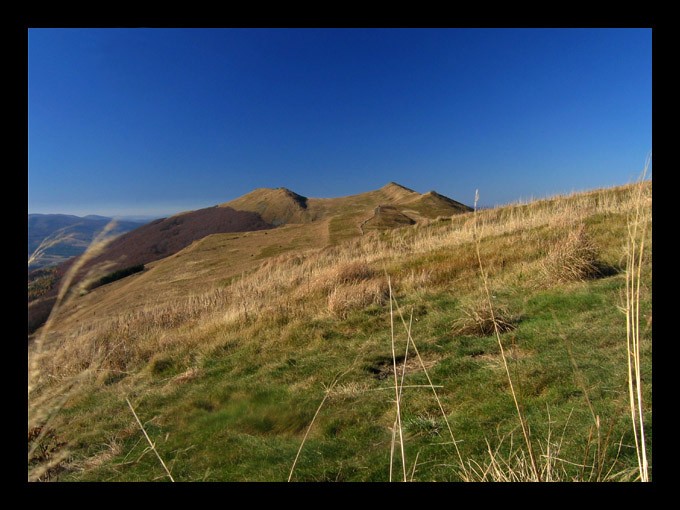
(205, 265)
(228, 381)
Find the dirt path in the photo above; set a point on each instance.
(376, 211)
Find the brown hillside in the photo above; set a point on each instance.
(167, 236)
(205, 265)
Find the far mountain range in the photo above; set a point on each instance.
(67, 235)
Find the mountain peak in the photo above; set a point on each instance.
(299, 199)
(275, 205)
(396, 186)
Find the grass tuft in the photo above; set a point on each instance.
(353, 272)
(572, 258)
(482, 319)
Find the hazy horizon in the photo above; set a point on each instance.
(169, 210)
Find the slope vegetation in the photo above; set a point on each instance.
(304, 223)
(273, 355)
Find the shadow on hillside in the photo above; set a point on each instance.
(604, 270)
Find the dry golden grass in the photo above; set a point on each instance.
(638, 220)
(353, 272)
(572, 258)
(129, 321)
(356, 296)
(45, 458)
(517, 466)
(108, 452)
(58, 237)
(348, 390)
(512, 353)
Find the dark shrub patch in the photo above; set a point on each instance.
(117, 275)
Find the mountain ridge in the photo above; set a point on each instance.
(306, 223)
(280, 206)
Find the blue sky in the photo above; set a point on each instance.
(156, 121)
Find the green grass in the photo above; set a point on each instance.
(243, 420)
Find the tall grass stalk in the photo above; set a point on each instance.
(430, 384)
(397, 393)
(637, 230)
(52, 240)
(41, 416)
(95, 248)
(520, 415)
(151, 444)
(401, 392)
(327, 392)
(515, 467)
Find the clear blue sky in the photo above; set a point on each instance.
(155, 121)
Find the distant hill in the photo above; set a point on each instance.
(298, 221)
(337, 219)
(346, 216)
(73, 234)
